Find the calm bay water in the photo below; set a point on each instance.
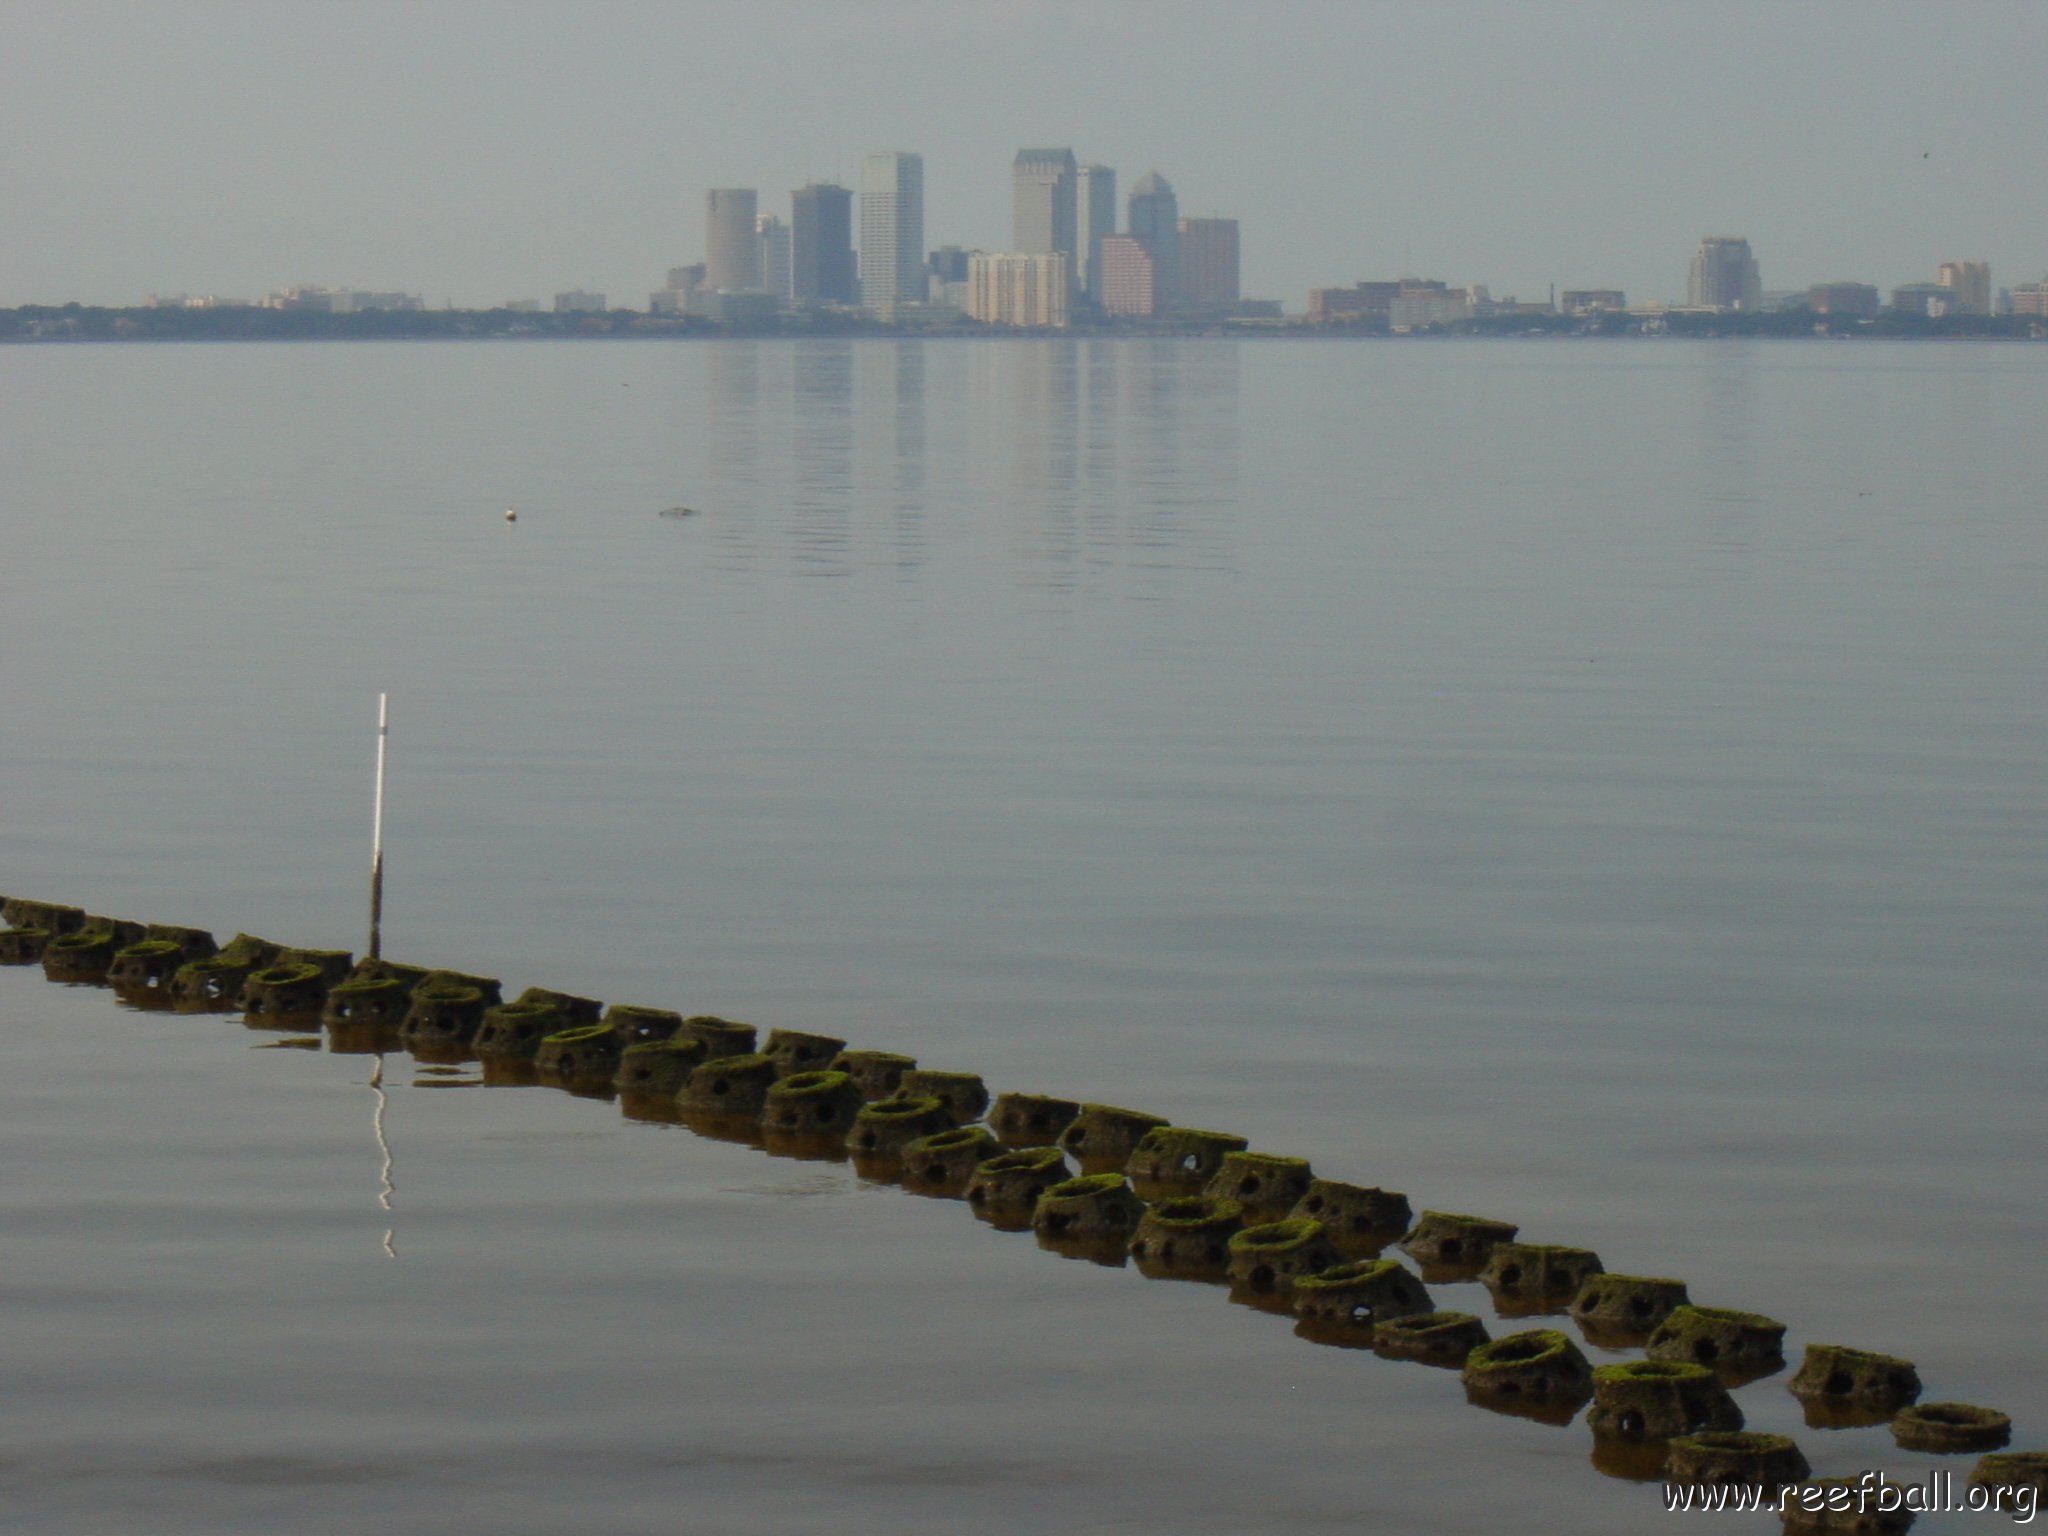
(1595, 784)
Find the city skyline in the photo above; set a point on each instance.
(515, 149)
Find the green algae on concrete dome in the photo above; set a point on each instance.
(1430, 1338)
(877, 1074)
(795, 1050)
(1030, 1119)
(1450, 1238)
(1095, 1207)
(1101, 1137)
(812, 1103)
(1533, 1278)
(1179, 1159)
(514, 1031)
(24, 946)
(637, 1025)
(656, 1066)
(1845, 1506)
(730, 1085)
(1348, 1301)
(721, 1037)
(583, 1054)
(1736, 1458)
(217, 981)
(942, 1163)
(2015, 1470)
(1625, 1309)
(1737, 1344)
(441, 1011)
(577, 1010)
(884, 1128)
(1268, 1187)
(1947, 1429)
(52, 917)
(382, 1001)
(1837, 1374)
(377, 968)
(1004, 1190)
(1541, 1367)
(1187, 1237)
(964, 1094)
(147, 965)
(1357, 1216)
(297, 983)
(85, 954)
(1266, 1259)
(1653, 1400)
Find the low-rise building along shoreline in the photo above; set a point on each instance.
(30, 324)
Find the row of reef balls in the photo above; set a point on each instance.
(1113, 1185)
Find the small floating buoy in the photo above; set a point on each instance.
(511, 516)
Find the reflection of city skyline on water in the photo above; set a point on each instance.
(1070, 462)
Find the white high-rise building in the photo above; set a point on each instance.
(1724, 275)
(891, 231)
(1026, 288)
(773, 237)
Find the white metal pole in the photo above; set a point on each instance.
(377, 834)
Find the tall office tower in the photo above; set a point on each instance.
(1971, 281)
(1208, 264)
(1724, 275)
(891, 232)
(1155, 224)
(821, 245)
(773, 237)
(732, 252)
(1094, 217)
(1042, 201)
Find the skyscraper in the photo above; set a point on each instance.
(732, 253)
(821, 245)
(1130, 278)
(1724, 275)
(891, 231)
(1208, 264)
(1042, 201)
(1094, 217)
(773, 237)
(1155, 224)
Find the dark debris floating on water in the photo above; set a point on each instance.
(678, 512)
(877, 1106)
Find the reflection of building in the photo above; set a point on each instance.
(1724, 275)
(732, 253)
(772, 236)
(1208, 264)
(1971, 283)
(1042, 190)
(1018, 287)
(1859, 300)
(1154, 223)
(891, 232)
(1587, 301)
(1130, 278)
(1094, 219)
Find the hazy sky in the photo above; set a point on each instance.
(480, 150)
